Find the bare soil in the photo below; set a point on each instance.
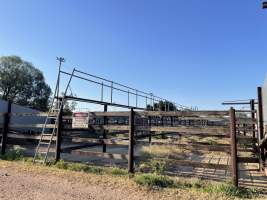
(24, 181)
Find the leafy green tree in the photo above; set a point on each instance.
(162, 106)
(23, 84)
(69, 106)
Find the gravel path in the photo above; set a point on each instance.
(28, 185)
(20, 181)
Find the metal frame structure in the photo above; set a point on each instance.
(115, 86)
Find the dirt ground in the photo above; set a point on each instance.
(26, 182)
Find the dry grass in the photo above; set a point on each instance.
(114, 182)
(124, 183)
(209, 140)
(164, 151)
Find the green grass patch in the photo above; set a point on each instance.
(116, 171)
(232, 191)
(79, 167)
(14, 154)
(153, 180)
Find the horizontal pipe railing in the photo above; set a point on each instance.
(135, 92)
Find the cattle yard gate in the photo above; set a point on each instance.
(237, 136)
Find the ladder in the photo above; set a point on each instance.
(43, 148)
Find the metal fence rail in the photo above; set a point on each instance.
(149, 99)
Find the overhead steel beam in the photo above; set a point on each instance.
(101, 102)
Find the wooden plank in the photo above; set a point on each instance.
(100, 154)
(101, 141)
(183, 113)
(184, 129)
(31, 125)
(189, 163)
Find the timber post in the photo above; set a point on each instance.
(105, 131)
(131, 143)
(233, 147)
(59, 133)
(5, 127)
(261, 131)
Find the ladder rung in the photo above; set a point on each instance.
(41, 152)
(46, 143)
(47, 134)
(45, 152)
(48, 127)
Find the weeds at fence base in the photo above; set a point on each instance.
(150, 180)
(153, 180)
(14, 154)
(90, 169)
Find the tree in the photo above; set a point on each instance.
(23, 84)
(69, 106)
(162, 106)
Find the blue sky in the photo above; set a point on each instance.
(193, 52)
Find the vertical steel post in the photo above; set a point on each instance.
(5, 128)
(131, 142)
(128, 98)
(153, 102)
(102, 91)
(111, 92)
(233, 147)
(172, 120)
(149, 125)
(260, 113)
(252, 108)
(136, 100)
(59, 132)
(57, 90)
(105, 131)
